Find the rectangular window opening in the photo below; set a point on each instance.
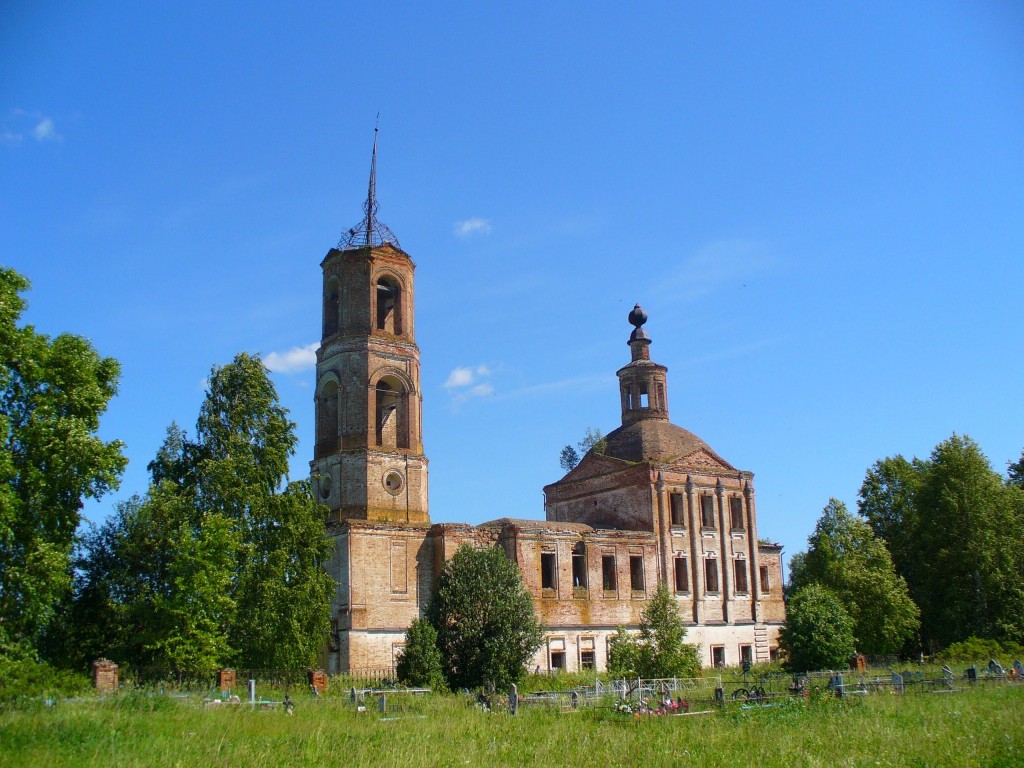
(548, 570)
(711, 575)
(579, 566)
(588, 660)
(718, 656)
(678, 505)
(608, 572)
(682, 575)
(746, 654)
(644, 402)
(765, 585)
(636, 573)
(558, 661)
(707, 511)
(736, 513)
(740, 567)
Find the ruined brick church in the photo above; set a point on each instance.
(658, 505)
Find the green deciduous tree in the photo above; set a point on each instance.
(845, 556)
(659, 650)
(947, 521)
(592, 440)
(52, 394)
(818, 632)
(487, 629)
(419, 663)
(221, 561)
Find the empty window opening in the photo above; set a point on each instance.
(579, 565)
(389, 415)
(389, 306)
(558, 661)
(678, 505)
(608, 572)
(588, 658)
(644, 401)
(736, 513)
(746, 654)
(682, 575)
(332, 307)
(707, 511)
(765, 584)
(636, 573)
(740, 569)
(718, 656)
(628, 395)
(548, 570)
(711, 575)
(327, 421)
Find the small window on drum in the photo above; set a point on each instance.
(393, 482)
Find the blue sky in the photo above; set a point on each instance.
(819, 205)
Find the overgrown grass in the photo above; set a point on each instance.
(983, 726)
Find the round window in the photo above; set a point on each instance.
(393, 482)
(325, 487)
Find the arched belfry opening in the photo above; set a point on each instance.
(327, 418)
(391, 413)
(389, 306)
(332, 306)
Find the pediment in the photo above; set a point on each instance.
(703, 459)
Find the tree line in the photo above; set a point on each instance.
(932, 557)
(218, 563)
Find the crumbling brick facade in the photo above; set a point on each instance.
(652, 504)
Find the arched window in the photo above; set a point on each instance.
(391, 409)
(327, 418)
(332, 307)
(389, 306)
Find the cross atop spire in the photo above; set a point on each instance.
(370, 231)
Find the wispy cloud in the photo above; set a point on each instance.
(465, 383)
(472, 226)
(717, 264)
(20, 124)
(293, 360)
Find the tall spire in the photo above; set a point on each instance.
(370, 231)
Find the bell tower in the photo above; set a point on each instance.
(368, 463)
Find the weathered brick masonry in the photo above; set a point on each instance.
(653, 504)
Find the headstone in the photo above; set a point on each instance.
(837, 685)
(995, 668)
(971, 674)
(1019, 669)
(897, 682)
(226, 680)
(575, 700)
(382, 703)
(513, 699)
(104, 675)
(252, 691)
(908, 677)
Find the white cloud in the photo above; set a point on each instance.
(472, 226)
(295, 359)
(467, 382)
(20, 124)
(45, 131)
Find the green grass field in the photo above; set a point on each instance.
(977, 727)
